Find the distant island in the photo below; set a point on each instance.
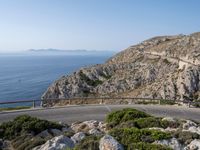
(62, 51)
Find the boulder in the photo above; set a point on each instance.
(76, 138)
(92, 123)
(80, 127)
(55, 132)
(109, 143)
(44, 134)
(57, 143)
(172, 143)
(194, 145)
(84, 126)
(95, 132)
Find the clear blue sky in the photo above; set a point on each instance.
(92, 24)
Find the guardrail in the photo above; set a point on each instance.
(98, 100)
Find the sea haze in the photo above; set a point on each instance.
(27, 76)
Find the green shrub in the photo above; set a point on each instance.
(124, 115)
(90, 82)
(25, 124)
(147, 146)
(89, 143)
(27, 142)
(127, 136)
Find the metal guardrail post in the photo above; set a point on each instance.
(33, 103)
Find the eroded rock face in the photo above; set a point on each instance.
(162, 67)
(109, 143)
(57, 143)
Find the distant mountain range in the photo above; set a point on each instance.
(59, 50)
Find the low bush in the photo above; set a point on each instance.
(89, 143)
(147, 146)
(89, 81)
(25, 124)
(124, 115)
(127, 136)
(27, 142)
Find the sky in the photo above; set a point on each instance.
(92, 24)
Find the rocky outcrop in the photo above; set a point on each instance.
(57, 143)
(164, 67)
(109, 143)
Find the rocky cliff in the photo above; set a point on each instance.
(165, 67)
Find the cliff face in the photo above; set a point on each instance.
(165, 67)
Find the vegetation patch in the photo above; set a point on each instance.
(128, 136)
(15, 108)
(27, 142)
(147, 146)
(148, 123)
(90, 82)
(89, 143)
(124, 115)
(25, 124)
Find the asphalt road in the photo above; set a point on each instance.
(71, 114)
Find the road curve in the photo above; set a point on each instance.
(71, 114)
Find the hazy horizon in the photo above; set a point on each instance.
(102, 25)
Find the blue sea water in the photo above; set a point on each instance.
(26, 77)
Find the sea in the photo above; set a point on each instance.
(26, 76)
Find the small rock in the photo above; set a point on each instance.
(92, 123)
(194, 145)
(55, 132)
(109, 143)
(102, 126)
(170, 119)
(168, 129)
(80, 127)
(66, 129)
(189, 124)
(156, 128)
(44, 134)
(57, 143)
(95, 132)
(76, 138)
(173, 143)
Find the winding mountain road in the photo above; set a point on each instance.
(71, 114)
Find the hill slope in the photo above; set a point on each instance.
(165, 67)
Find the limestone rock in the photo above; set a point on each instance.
(173, 143)
(95, 132)
(194, 145)
(170, 119)
(109, 143)
(57, 143)
(166, 67)
(76, 138)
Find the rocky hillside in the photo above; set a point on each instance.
(164, 67)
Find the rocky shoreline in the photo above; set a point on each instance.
(123, 129)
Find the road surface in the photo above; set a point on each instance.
(71, 114)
